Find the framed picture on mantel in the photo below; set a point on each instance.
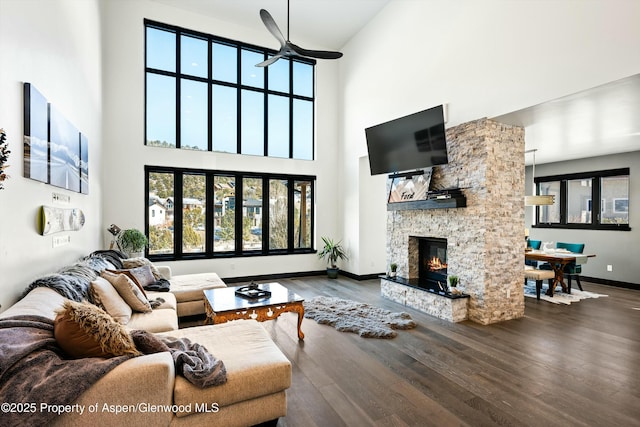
(410, 189)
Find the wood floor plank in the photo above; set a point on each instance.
(575, 365)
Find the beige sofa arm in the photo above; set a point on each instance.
(165, 271)
(142, 386)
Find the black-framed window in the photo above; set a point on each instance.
(195, 213)
(204, 92)
(589, 200)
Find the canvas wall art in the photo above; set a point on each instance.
(36, 135)
(55, 151)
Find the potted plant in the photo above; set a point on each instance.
(453, 283)
(132, 242)
(394, 268)
(331, 252)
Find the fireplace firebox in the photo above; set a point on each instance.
(432, 259)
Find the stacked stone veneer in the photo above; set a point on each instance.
(485, 240)
(454, 310)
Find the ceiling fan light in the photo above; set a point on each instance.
(539, 200)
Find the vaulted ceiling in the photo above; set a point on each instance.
(597, 121)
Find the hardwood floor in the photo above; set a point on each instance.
(576, 365)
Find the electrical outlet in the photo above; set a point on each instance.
(508, 293)
(61, 240)
(609, 267)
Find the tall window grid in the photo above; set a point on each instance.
(590, 200)
(204, 92)
(193, 214)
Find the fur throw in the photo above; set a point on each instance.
(161, 285)
(33, 368)
(72, 281)
(70, 287)
(351, 316)
(191, 360)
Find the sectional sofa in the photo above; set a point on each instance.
(147, 390)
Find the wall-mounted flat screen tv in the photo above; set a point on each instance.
(412, 142)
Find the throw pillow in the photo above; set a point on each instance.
(148, 343)
(128, 290)
(85, 330)
(105, 296)
(140, 262)
(141, 276)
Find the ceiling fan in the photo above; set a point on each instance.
(288, 49)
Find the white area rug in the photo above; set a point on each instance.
(559, 297)
(350, 316)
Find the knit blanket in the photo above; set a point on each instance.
(72, 281)
(192, 360)
(35, 375)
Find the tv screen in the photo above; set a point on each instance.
(411, 142)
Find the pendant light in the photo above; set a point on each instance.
(537, 200)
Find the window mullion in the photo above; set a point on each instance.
(291, 215)
(178, 90)
(209, 221)
(265, 214)
(239, 221)
(238, 101)
(596, 197)
(177, 213)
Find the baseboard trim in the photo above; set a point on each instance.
(267, 277)
(360, 277)
(607, 282)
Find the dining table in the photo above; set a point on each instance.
(557, 259)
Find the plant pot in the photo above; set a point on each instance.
(332, 273)
(392, 274)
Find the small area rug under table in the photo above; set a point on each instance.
(351, 316)
(559, 297)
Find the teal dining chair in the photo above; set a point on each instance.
(571, 270)
(533, 244)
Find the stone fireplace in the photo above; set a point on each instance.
(480, 243)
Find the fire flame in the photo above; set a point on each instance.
(436, 263)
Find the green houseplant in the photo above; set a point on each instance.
(332, 251)
(453, 283)
(394, 268)
(132, 241)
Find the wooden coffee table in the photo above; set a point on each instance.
(222, 305)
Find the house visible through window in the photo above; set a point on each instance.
(202, 214)
(594, 200)
(204, 92)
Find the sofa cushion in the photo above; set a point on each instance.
(106, 297)
(128, 290)
(140, 262)
(158, 320)
(238, 345)
(168, 298)
(189, 287)
(85, 330)
(141, 276)
(40, 301)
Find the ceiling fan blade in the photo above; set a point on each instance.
(269, 61)
(321, 54)
(272, 26)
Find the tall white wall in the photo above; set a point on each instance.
(482, 59)
(125, 153)
(55, 45)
